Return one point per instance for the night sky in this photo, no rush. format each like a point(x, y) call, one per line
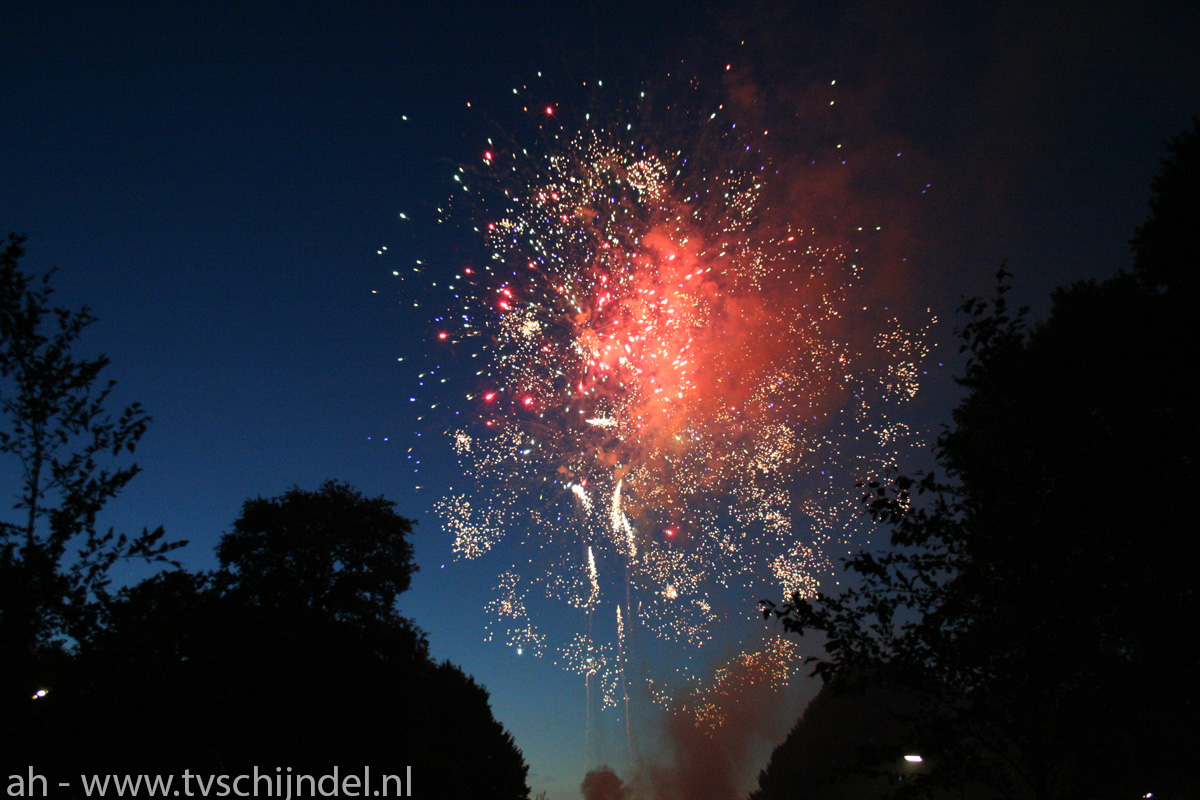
point(218, 184)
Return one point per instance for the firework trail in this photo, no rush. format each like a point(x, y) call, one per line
point(680, 389)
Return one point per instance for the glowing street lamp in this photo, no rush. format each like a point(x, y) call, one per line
point(913, 759)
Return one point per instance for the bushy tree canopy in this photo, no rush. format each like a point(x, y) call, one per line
point(1035, 596)
point(292, 654)
point(332, 551)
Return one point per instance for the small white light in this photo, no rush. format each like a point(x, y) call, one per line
point(40, 693)
point(914, 759)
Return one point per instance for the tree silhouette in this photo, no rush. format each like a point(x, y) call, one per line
point(331, 551)
point(292, 654)
point(1167, 245)
point(65, 443)
point(825, 752)
point(1035, 598)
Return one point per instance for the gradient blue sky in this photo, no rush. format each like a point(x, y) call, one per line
point(215, 183)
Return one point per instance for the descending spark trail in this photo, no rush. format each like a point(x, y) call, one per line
point(681, 390)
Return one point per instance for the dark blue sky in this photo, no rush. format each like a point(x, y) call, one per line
point(216, 183)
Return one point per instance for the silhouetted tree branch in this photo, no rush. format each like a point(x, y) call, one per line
point(66, 445)
point(1033, 598)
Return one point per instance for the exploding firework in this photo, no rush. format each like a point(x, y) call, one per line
point(681, 388)
point(748, 674)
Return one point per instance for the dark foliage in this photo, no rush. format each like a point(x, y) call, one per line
point(64, 446)
point(1036, 599)
point(331, 551)
point(824, 754)
point(290, 655)
point(1167, 246)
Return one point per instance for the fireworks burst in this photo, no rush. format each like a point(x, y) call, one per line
point(744, 676)
point(681, 389)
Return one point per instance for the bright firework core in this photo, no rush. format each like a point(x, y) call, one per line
point(679, 400)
